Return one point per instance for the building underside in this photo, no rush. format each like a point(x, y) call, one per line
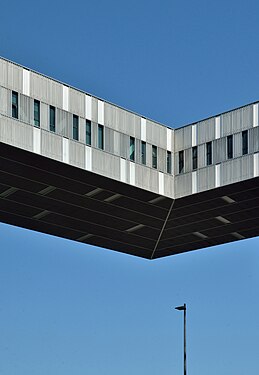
point(55, 198)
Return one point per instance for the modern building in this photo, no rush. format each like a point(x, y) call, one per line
point(78, 167)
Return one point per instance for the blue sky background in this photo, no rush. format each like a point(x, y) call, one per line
point(68, 308)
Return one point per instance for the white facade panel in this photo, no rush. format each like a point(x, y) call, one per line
point(132, 173)
point(37, 140)
point(88, 158)
point(194, 182)
point(65, 98)
point(194, 135)
point(143, 129)
point(123, 166)
point(169, 134)
point(217, 127)
point(255, 115)
point(256, 165)
point(26, 82)
point(88, 107)
point(217, 175)
point(100, 112)
point(161, 183)
point(66, 150)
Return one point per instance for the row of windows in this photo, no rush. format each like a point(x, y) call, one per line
point(100, 141)
point(209, 152)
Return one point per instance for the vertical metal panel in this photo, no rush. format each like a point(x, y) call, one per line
point(256, 164)
point(110, 115)
point(132, 170)
point(66, 99)
point(206, 178)
point(219, 150)
point(169, 139)
point(217, 175)
point(5, 101)
point(77, 102)
point(14, 77)
point(161, 159)
point(138, 151)
point(253, 140)
point(206, 131)
point(226, 124)
point(169, 186)
point(51, 145)
point(25, 108)
point(100, 107)
point(147, 178)
point(16, 133)
point(143, 129)
point(65, 150)
point(105, 164)
point(156, 134)
point(46, 90)
point(94, 110)
point(88, 158)
point(36, 140)
point(116, 146)
point(194, 135)
point(88, 107)
point(247, 170)
point(255, 114)
point(237, 145)
point(26, 82)
point(183, 185)
point(44, 116)
point(218, 127)
point(94, 134)
point(149, 155)
point(247, 117)
point(64, 123)
point(124, 146)
point(123, 171)
point(202, 156)
point(82, 130)
point(183, 138)
point(76, 154)
point(194, 182)
point(109, 140)
point(3, 73)
point(161, 183)
point(188, 160)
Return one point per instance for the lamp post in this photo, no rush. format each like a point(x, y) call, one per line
point(183, 308)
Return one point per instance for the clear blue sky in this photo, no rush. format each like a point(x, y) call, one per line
point(68, 308)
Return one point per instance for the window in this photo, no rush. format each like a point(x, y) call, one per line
point(132, 148)
point(14, 104)
point(194, 157)
point(230, 146)
point(75, 127)
point(143, 152)
point(52, 118)
point(209, 153)
point(245, 142)
point(154, 156)
point(100, 137)
point(88, 133)
point(181, 161)
point(169, 162)
point(36, 113)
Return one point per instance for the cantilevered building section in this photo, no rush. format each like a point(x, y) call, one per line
point(78, 167)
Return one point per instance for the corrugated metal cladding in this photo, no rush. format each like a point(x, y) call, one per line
point(119, 125)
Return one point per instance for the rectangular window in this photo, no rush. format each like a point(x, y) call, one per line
point(75, 127)
point(195, 157)
point(169, 162)
point(14, 104)
point(100, 137)
point(132, 148)
point(154, 157)
point(52, 118)
point(245, 142)
point(181, 161)
point(230, 146)
point(36, 113)
point(209, 152)
point(88, 133)
point(143, 152)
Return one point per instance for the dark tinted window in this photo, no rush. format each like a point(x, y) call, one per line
point(75, 127)
point(100, 137)
point(209, 153)
point(52, 118)
point(143, 152)
point(169, 162)
point(181, 161)
point(132, 148)
point(14, 104)
point(245, 142)
point(154, 156)
point(36, 113)
point(194, 157)
point(230, 146)
point(88, 135)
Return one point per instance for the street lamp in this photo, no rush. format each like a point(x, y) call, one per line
point(183, 308)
